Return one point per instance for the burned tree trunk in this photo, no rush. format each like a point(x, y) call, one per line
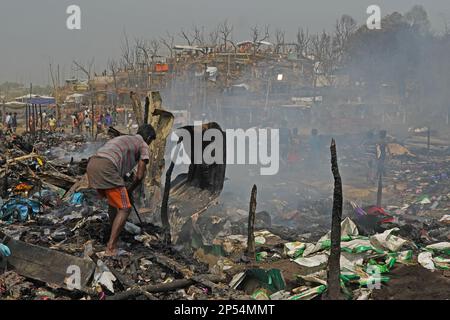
point(165, 205)
point(162, 122)
point(146, 110)
point(251, 224)
point(333, 278)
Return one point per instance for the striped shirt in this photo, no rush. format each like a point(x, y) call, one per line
point(125, 152)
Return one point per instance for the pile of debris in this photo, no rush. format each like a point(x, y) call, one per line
point(53, 232)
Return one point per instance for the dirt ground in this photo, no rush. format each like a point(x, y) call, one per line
point(414, 283)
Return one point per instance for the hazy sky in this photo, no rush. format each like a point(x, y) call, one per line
point(34, 32)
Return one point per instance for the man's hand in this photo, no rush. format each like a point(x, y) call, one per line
point(140, 175)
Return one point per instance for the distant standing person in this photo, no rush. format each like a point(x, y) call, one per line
point(52, 123)
point(285, 140)
point(130, 123)
point(8, 120)
point(99, 121)
point(108, 120)
point(314, 146)
point(14, 122)
point(114, 116)
point(45, 122)
point(87, 124)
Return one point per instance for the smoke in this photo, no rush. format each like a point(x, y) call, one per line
point(68, 152)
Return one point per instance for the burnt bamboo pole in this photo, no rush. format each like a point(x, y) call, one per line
point(40, 119)
point(31, 107)
point(333, 278)
point(27, 108)
point(34, 120)
point(251, 224)
point(146, 110)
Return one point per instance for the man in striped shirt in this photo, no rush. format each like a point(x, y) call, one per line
point(107, 169)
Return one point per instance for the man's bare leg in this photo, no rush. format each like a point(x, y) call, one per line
point(117, 227)
point(112, 212)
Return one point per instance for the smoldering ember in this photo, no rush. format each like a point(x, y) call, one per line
point(354, 203)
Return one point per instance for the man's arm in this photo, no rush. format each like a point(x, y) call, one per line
point(140, 175)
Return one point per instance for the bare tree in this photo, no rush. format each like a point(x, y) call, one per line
point(225, 31)
point(168, 42)
point(324, 56)
point(183, 34)
point(214, 37)
point(303, 41)
point(87, 69)
point(345, 27)
point(55, 82)
point(198, 35)
point(142, 53)
point(258, 36)
point(127, 54)
point(279, 39)
point(114, 68)
point(154, 48)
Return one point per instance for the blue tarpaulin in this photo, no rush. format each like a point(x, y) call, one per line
point(19, 209)
point(40, 100)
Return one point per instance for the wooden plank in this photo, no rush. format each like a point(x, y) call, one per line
point(47, 265)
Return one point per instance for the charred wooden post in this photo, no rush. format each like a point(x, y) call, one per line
point(334, 271)
point(146, 110)
point(40, 120)
point(27, 119)
point(93, 120)
point(251, 224)
point(34, 119)
point(31, 108)
point(164, 205)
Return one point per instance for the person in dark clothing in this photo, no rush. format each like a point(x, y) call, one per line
point(370, 152)
point(285, 140)
point(314, 147)
point(14, 122)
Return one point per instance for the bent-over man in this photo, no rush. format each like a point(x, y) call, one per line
point(107, 169)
